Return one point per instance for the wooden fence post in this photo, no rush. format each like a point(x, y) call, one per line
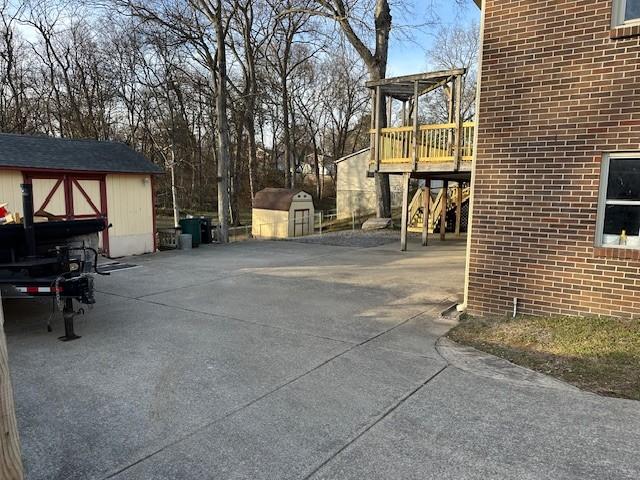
point(10, 459)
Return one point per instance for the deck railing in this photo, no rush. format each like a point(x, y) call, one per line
point(435, 143)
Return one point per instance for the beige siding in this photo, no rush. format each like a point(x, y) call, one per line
point(41, 189)
point(10, 193)
point(269, 223)
point(356, 192)
point(80, 204)
point(130, 210)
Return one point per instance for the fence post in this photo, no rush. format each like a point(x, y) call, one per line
point(10, 459)
point(321, 222)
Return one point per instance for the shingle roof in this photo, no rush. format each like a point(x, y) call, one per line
point(275, 199)
point(49, 153)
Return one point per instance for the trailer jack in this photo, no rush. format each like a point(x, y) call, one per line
point(68, 314)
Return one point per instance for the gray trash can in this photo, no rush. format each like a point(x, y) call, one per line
point(185, 241)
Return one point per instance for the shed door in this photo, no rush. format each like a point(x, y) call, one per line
point(300, 223)
point(71, 196)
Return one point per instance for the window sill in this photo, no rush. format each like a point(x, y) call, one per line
point(625, 31)
point(620, 253)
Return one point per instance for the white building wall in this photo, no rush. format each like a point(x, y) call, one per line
point(356, 192)
point(130, 211)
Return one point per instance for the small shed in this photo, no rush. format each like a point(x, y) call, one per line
point(282, 213)
point(76, 179)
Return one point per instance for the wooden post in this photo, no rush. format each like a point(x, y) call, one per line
point(416, 96)
point(459, 209)
point(10, 460)
point(427, 206)
point(451, 105)
point(378, 108)
point(405, 211)
point(458, 122)
point(443, 210)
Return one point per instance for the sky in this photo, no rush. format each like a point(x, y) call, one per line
point(409, 56)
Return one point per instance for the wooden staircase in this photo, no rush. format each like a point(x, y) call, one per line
point(416, 208)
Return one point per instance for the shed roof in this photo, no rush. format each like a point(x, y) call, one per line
point(50, 153)
point(275, 199)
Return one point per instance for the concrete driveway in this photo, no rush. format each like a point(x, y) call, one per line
point(283, 360)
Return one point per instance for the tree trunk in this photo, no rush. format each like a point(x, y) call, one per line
point(253, 153)
point(223, 127)
point(174, 193)
point(288, 177)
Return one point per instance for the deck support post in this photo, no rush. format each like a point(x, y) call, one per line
point(416, 97)
point(10, 458)
point(427, 205)
point(459, 209)
point(451, 105)
point(458, 122)
point(406, 177)
point(443, 210)
point(378, 125)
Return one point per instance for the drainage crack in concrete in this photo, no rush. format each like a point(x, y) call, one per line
point(387, 412)
point(271, 392)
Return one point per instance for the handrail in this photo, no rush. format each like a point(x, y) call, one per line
point(434, 143)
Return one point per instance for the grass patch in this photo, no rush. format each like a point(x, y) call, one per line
point(601, 355)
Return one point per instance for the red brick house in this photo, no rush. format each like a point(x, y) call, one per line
point(556, 194)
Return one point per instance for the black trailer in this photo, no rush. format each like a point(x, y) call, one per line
point(55, 259)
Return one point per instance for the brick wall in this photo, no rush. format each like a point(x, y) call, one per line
point(559, 88)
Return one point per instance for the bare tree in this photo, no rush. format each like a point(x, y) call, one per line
point(375, 57)
point(454, 47)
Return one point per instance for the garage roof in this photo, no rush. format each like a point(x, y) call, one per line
point(49, 153)
point(275, 199)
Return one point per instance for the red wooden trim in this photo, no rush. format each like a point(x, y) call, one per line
point(105, 214)
point(50, 195)
point(85, 195)
point(48, 174)
point(68, 191)
point(153, 213)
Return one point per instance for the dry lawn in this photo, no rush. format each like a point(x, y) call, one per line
point(601, 355)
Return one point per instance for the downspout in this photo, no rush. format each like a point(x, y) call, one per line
point(463, 306)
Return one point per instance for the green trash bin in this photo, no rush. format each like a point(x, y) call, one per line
point(192, 227)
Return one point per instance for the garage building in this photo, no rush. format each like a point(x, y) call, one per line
point(282, 213)
point(76, 179)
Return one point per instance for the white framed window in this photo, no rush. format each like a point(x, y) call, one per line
point(618, 222)
point(626, 12)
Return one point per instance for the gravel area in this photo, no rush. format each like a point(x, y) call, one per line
point(352, 238)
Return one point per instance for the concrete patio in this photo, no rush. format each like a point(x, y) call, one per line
point(286, 360)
